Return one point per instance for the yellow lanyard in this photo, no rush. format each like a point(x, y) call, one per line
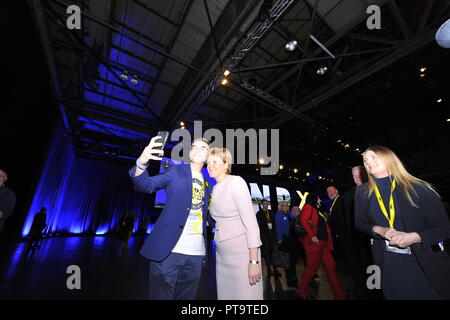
point(334, 201)
point(267, 216)
point(391, 216)
point(322, 215)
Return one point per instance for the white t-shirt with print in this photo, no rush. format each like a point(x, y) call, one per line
point(191, 241)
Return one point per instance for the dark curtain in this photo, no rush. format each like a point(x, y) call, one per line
point(84, 195)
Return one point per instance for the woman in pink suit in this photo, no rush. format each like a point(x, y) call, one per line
point(238, 268)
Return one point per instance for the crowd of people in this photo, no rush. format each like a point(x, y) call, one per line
point(408, 242)
point(390, 219)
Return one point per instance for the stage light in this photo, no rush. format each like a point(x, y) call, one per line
point(281, 167)
point(423, 69)
point(322, 70)
point(182, 127)
point(226, 73)
point(320, 178)
point(124, 75)
point(291, 45)
point(182, 123)
point(224, 81)
point(261, 161)
point(439, 100)
point(295, 170)
point(448, 120)
point(422, 75)
point(307, 174)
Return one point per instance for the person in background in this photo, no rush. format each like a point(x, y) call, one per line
point(294, 248)
point(39, 223)
point(266, 222)
point(286, 239)
point(7, 199)
point(336, 222)
point(408, 224)
point(355, 244)
point(318, 245)
point(126, 226)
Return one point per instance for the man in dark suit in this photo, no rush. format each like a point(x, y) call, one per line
point(177, 244)
point(266, 222)
point(357, 253)
point(337, 224)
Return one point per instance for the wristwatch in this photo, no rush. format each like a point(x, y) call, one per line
point(254, 261)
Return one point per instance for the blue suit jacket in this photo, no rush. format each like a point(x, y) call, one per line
point(177, 181)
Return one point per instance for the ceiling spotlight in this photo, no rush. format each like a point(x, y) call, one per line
point(124, 75)
point(182, 127)
point(423, 69)
point(224, 81)
point(182, 123)
point(439, 100)
point(448, 120)
point(295, 170)
point(226, 73)
point(261, 161)
point(422, 75)
point(291, 45)
point(134, 80)
point(322, 70)
point(320, 178)
point(281, 167)
point(307, 174)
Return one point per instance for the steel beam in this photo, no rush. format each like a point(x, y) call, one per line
point(326, 92)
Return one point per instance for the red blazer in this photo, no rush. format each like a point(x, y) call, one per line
point(309, 219)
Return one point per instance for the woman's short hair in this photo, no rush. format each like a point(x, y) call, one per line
point(224, 154)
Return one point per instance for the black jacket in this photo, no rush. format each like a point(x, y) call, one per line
point(428, 219)
point(262, 222)
point(337, 218)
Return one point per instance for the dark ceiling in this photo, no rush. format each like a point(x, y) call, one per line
point(372, 93)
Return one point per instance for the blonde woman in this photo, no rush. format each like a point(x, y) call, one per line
point(408, 223)
point(238, 267)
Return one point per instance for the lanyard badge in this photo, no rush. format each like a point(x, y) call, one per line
point(390, 218)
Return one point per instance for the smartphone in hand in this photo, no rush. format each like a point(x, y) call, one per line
point(164, 136)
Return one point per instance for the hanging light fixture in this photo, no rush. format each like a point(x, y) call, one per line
point(291, 45)
point(134, 80)
point(124, 75)
point(322, 70)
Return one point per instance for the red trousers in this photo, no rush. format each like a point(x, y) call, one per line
point(317, 253)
